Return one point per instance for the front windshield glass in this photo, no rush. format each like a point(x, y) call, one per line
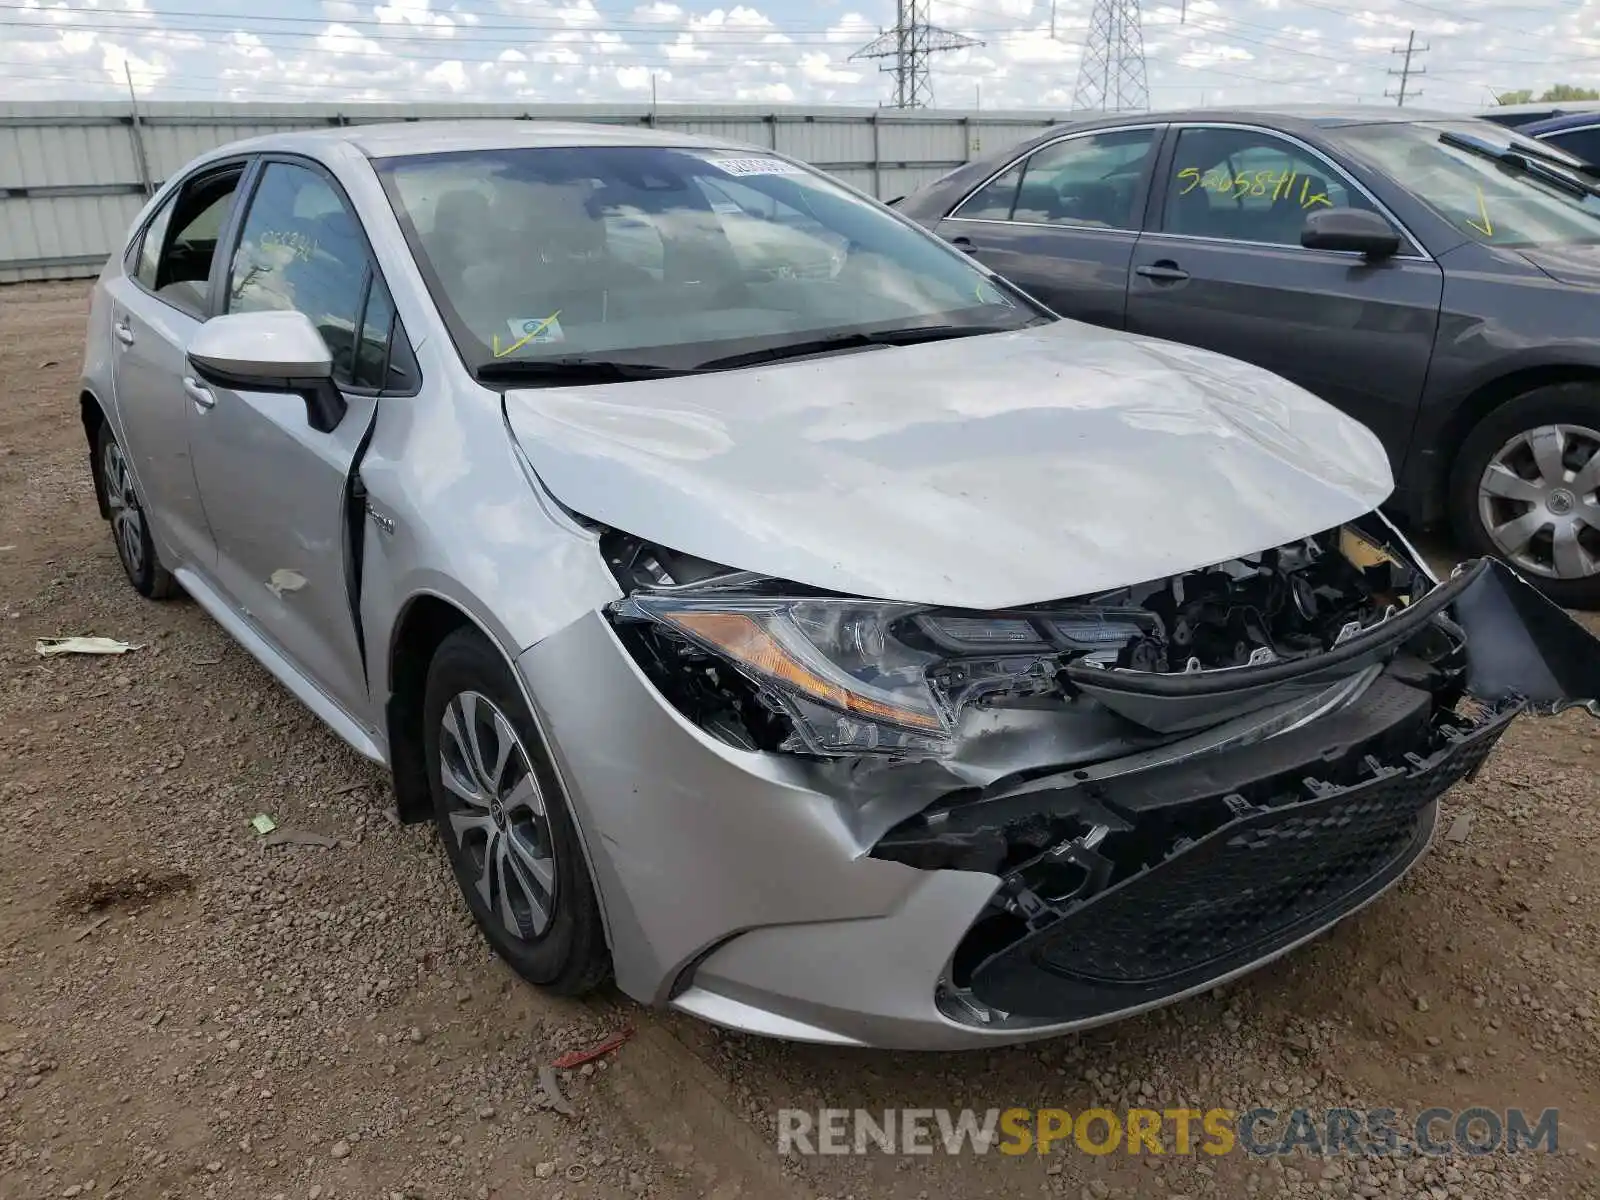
point(1490, 201)
point(671, 257)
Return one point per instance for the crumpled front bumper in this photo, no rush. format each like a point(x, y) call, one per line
point(1278, 872)
point(734, 887)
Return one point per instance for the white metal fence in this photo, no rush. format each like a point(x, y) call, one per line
point(72, 176)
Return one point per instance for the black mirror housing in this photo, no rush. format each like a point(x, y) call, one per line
point(1350, 229)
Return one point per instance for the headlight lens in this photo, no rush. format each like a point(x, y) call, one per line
point(849, 684)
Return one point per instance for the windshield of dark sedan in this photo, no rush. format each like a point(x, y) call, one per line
point(1487, 200)
point(669, 256)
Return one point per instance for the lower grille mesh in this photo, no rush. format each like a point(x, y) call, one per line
point(1275, 873)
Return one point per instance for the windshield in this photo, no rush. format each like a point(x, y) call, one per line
point(669, 257)
point(1490, 201)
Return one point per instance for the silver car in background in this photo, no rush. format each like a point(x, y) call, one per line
point(772, 607)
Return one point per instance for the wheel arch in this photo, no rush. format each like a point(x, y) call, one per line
point(1484, 400)
point(423, 622)
point(93, 415)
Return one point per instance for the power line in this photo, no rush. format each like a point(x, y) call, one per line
point(750, 35)
point(155, 20)
point(1111, 75)
point(1406, 72)
point(909, 44)
point(1509, 29)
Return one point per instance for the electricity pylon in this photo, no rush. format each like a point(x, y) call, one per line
point(1111, 77)
point(910, 43)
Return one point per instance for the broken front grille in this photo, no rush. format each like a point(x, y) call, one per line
point(1270, 876)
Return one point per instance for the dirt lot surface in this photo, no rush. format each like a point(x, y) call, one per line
point(187, 1012)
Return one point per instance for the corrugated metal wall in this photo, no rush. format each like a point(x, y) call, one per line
point(72, 176)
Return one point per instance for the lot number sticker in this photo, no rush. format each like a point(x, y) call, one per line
point(755, 166)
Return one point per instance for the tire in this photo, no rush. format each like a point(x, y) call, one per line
point(516, 839)
point(130, 528)
point(1538, 447)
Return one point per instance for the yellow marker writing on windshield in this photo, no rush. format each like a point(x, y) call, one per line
point(524, 339)
point(1487, 227)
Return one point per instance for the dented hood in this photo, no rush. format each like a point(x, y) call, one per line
point(983, 472)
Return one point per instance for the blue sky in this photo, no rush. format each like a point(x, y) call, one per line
point(774, 51)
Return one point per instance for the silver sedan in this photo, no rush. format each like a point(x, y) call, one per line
point(774, 609)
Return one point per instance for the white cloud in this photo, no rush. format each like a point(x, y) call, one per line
point(448, 74)
point(773, 93)
point(633, 79)
point(1217, 51)
point(416, 13)
point(685, 49)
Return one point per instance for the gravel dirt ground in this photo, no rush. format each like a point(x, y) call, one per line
point(185, 1011)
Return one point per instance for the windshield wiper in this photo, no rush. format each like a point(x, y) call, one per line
point(555, 372)
point(860, 339)
point(1548, 169)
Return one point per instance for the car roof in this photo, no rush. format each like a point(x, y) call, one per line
point(1555, 107)
point(1520, 116)
point(1288, 116)
point(1577, 120)
point(394, 139)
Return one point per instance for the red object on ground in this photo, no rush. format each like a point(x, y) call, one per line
point(576, 1058)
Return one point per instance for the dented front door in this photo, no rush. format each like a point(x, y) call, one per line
point(276, 491)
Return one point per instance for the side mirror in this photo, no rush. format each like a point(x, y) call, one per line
point(1354, 229)
point(274, 351)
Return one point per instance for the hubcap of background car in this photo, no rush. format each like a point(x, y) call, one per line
point(498, 814)
point(1537, 500)
point(127, 521)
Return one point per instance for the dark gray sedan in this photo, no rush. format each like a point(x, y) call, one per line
point(1438, 278)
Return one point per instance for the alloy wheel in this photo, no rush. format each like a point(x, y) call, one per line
point(127, 518)
point(1537, 501)
point(497, 815)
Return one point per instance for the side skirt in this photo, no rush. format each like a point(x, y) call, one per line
point(281, 668)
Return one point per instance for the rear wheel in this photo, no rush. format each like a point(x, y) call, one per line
point(130, 531)
point(503, 817)
point(1526, 488)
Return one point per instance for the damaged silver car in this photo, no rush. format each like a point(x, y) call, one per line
point(771, 606)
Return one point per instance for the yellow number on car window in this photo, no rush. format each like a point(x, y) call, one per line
point(1310, 199)
point(1192, 175)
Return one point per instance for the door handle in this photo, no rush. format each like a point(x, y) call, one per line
point(964, 244)
point(1165, 270)
point(198, 392)
point(124, 332)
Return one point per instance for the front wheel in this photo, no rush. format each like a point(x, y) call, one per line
point(1526, 488)
point(503, 817)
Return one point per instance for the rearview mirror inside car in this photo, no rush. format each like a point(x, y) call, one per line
point(276, 351)
point(1353, 229)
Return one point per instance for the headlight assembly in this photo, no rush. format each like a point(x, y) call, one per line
point(846, 681)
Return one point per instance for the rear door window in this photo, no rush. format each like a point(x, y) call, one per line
point(1086, 180)
point(995, 199)
point(177, 248)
